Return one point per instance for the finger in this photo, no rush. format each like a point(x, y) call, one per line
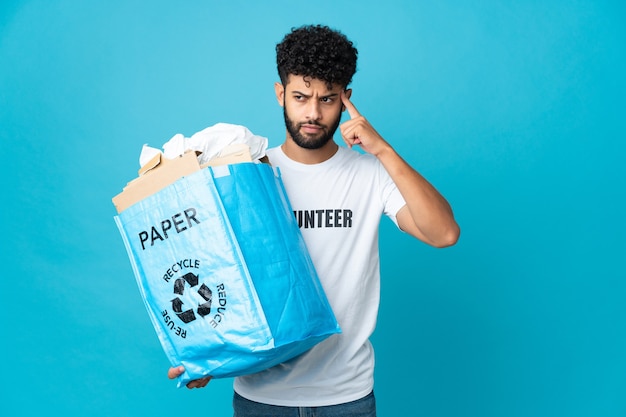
point(205, 381)
point(199, 383)
point(350, 130)
point(175, 372)
point(345, 134)
point(351, 140)
point(352, 111)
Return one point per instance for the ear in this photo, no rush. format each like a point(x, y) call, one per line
point(348, 93)
point(279, 89)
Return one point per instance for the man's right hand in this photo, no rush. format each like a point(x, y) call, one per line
point(177, 371)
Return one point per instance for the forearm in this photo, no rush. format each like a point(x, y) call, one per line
point(427, 215)
point(431, 218)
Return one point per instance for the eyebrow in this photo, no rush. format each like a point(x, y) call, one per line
point(300, 93)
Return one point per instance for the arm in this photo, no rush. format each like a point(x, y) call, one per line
point(177, 371)
point(427, 215)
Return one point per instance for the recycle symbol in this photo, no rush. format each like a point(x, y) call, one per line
point(203, 309)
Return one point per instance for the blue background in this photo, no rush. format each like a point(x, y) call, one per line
point(514, 110)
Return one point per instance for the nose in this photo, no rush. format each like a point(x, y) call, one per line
point(313, 110)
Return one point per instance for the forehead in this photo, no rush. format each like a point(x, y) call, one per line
point(308, 84)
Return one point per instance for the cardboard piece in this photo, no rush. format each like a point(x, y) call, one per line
point(160, 172)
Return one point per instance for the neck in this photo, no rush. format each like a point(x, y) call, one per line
point(309, 156)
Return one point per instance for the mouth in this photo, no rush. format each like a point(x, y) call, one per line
point(311, 129)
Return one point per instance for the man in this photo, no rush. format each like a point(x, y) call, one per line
point(338, 196)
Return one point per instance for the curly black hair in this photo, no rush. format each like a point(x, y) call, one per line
point(318, 52)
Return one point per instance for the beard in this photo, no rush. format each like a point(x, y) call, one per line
point(307, 141)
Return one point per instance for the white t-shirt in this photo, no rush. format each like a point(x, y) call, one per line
point(338, 204)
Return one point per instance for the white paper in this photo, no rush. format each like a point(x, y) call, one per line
point(209, 142)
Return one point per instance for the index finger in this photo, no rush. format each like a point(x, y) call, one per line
point(352, 111)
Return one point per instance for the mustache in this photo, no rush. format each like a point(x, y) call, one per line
point(311, 122)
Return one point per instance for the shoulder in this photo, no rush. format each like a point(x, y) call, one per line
point(273, 151)
point(358, 161)
point(356, 157)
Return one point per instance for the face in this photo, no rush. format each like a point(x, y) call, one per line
point(312, 112)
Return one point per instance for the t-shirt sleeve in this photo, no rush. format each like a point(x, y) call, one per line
point(391, 198)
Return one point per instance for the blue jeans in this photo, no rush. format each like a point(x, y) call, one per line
point(365, 407)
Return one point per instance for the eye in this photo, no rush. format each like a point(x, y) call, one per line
point(327, 100)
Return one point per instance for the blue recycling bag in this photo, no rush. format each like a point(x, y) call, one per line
point(224, 272)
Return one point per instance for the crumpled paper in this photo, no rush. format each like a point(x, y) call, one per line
point(210, 142)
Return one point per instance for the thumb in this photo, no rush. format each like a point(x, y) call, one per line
point(175, 372)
